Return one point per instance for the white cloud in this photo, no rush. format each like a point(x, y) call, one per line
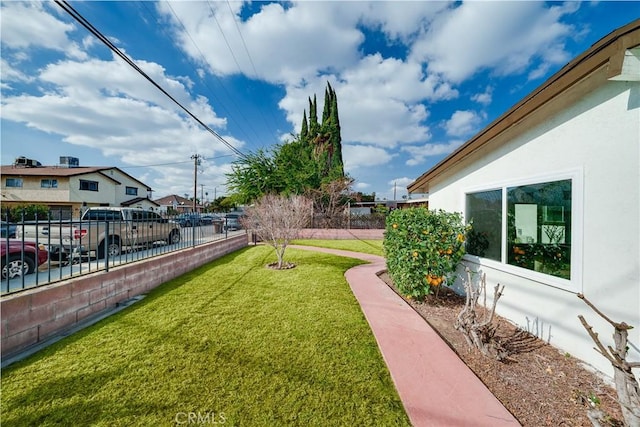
point(363, 156)
point(463, 123)
point(422, 152)
point(485, 97)
point(503, 36)
point(283, 45)
point(27, 25)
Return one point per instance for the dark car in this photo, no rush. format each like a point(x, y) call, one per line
point(20, 258)
point(189, 219)
point(7, 229)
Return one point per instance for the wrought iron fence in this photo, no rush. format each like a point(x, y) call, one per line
point(72, 247)
point(353, 221)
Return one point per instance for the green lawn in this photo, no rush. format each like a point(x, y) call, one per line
point(373, 247)
point(232, 341)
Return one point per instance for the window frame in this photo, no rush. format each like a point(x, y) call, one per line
point(53, 183)
point(15, 181)
point(88, 182)
point(131, 191)
point(577, 213)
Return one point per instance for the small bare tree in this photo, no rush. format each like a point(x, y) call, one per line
point(626, 383)
point(480, 332)
point(330, 202)
point(277, 220)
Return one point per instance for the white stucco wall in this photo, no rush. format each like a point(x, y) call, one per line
point(597, 143)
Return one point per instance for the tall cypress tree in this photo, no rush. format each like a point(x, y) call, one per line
point(327, 105)
point(304, 132)
point(314, 127)
point(335, 139)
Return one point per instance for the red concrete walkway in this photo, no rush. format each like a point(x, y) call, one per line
point(435, 386)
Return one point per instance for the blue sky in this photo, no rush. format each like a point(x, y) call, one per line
point(414, 79)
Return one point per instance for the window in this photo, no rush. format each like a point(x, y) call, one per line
point(49, 183)
point(103, 215)
point(131, 191)
point(88, 185)
point(484, 211)
point(13, 182)
point(538, 226)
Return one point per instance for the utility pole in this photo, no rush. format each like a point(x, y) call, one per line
point(196, 162)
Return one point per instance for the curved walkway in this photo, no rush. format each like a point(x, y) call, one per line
point(435, 386)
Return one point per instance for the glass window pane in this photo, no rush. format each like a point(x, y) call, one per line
point(539, 227)
point(484, 212)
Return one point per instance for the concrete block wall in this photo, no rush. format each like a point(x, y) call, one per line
point(34, 315)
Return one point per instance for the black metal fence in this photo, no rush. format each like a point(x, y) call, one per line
point(73, 247)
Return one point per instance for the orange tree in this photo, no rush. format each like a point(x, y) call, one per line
point(423, 249)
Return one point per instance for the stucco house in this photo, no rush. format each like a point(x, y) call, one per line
point(552, 188)
point(176, 204)
point(67, 189)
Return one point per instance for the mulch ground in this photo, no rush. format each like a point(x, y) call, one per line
point(537, 383)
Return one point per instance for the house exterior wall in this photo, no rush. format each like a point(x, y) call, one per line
point(106, 193)
point(31, 190)
point(120, 194)
point(596, 142)
point(112, 190)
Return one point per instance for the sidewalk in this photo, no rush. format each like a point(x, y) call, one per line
point(435, 386)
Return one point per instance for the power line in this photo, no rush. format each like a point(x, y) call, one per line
point(204, 59)
point(78, 17)
point(173, 163)
point(246, 49)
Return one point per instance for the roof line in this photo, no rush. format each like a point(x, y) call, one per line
point(604, 50)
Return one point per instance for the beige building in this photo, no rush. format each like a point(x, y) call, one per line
point(69, 189)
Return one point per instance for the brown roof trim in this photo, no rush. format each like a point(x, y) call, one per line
point(608, 50)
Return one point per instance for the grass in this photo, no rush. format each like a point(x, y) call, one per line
point(231, 341)
point(373, 247)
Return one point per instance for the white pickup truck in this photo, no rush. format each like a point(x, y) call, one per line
point(102, 232)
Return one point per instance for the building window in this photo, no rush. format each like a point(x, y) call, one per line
point(13, 182)
point(484, 212)
point(88, 185)
point(538, 226)
point(48, 183)
point(131, 191)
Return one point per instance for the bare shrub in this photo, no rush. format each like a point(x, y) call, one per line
point(480, 330)
point(626, 383)
point(277, 220)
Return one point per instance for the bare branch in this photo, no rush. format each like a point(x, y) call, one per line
point(601, 314)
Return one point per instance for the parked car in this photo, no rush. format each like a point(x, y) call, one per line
point(101, 231)
point(208, 219)
point(7, 229)
point(189, 219)
point(20, 258)
point(232, 221)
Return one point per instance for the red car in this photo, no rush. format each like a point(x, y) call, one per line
point(19, 258)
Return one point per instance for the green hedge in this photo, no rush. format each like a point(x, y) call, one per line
point(423, 249)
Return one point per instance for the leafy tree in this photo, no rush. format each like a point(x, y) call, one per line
point(277, 220)
point(312, 159)
point(252, 176)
